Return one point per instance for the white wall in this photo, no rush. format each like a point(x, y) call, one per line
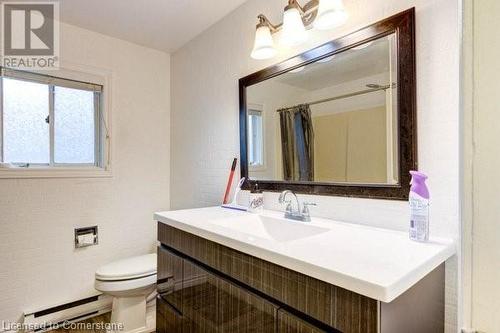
point(481, 228)
point(205, 75)
point(38, 263)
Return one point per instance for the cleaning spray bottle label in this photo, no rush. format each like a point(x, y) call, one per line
point(419, 219)
point(419, 208)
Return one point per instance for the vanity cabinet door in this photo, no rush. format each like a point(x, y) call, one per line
point(168, 320)
point(170, 278)
point(288, 323)
point(211, 304)
point(200, 300)
point(243, 312)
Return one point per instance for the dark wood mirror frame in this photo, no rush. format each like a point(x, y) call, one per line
point(403, 25)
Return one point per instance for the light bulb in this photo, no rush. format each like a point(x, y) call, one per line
point(331, 14)
point(294, 31)
point(264, 45)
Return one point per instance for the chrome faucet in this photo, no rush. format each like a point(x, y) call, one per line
point(298, 214)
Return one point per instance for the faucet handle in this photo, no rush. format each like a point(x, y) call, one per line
point(305, 207)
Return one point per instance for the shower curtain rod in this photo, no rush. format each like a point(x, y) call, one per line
point(357, 93)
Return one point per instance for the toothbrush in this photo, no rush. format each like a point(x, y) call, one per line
point(234, 205)
point(237, 191)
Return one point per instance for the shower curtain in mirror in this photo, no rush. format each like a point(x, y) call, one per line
point(297, 142)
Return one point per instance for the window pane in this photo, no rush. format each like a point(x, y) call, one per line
point(74, 126)
point(255, 139)
point(251, 150)
point(26, 133)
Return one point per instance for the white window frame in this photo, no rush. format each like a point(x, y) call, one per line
point(102, 165)
point(259, 108)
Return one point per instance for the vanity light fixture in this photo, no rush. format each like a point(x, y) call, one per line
point(320, 14)
point(294, 31)
point(331, 14)
point(264, 45)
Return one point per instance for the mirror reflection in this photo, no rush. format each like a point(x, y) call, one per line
point(333, 121)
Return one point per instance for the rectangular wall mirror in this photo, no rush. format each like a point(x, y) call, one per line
point(338, 119)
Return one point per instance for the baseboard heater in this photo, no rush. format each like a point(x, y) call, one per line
point(43, 320)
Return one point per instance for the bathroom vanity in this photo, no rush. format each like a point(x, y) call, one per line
point(221, 270)
point(340, 120)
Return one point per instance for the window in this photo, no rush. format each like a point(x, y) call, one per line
point(50, 122)
point(255, 138)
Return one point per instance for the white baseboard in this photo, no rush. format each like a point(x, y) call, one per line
point(58, 314)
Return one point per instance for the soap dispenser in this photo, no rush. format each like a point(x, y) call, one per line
point(256, 200)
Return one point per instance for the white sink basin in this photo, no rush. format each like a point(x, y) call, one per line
point(270, 228)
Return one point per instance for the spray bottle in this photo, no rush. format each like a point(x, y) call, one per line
point(419, 207)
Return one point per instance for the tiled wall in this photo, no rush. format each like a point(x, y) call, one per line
point(39, 266)
point(205, 131)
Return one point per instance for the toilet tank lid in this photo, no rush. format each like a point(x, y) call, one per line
point(129, 268)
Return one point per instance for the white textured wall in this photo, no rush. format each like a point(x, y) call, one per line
point(205, 134)
point(38, 264)
point(481, 165)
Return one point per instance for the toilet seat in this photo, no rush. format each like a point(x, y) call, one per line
point(129, 281)
point(128, 269)
point(122, 285)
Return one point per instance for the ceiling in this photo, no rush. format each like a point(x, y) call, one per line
point(344, 67)
point(160, 24)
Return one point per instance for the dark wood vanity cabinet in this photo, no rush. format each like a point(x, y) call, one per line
point(241, 311)
point(199, 301)
point(205, 287)
point(168, 319)
point(288, 323)
point(193, 300)
point(170, 278)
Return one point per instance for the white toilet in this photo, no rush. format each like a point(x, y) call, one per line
point(130, 281)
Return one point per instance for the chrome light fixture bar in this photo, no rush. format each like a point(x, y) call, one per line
point(320, 14)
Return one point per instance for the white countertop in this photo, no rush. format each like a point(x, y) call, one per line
point(377, 263)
